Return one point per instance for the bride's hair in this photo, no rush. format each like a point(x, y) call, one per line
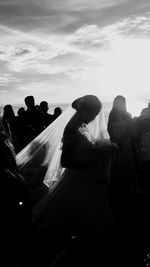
point(87, 102)
point(76, 104)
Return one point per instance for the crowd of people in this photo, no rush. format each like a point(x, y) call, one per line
point(97, 214)
point(29, 122)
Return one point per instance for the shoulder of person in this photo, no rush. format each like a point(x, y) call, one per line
point(113, 114)
point(129, 115)
point(69, 134)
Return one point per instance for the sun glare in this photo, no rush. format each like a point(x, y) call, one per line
point(135, 107)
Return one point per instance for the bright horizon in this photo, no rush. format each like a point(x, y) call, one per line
point(60, 50)
point(134, 107)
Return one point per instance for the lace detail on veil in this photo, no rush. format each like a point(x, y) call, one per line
point(40, 159)
point(84, 131)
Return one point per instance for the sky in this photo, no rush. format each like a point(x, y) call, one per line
point(58, 50)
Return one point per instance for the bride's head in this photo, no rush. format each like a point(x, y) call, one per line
point(87, 107)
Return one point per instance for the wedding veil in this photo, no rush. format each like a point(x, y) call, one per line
point(40, 159)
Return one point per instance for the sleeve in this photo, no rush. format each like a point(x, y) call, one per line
point(77, 152)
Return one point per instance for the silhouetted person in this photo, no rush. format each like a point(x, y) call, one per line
point(10, 123)
point(33, 119)
point(122, 168)
point(57, 112)
point(21, 112)
point(16, 208)
point(146, 111)
point(135, 137)
point(21, 128)
point(123, 171)
point(46, 117)
point(142, 135)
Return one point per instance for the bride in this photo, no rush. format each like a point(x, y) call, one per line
point(77, 206)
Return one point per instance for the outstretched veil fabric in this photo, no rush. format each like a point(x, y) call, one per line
point(40, 159)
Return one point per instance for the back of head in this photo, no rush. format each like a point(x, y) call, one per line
point(57, 111)
point(145, 113)
point(119, 103)
point(44, 106)
point(8, 112)
point(21, 111)
point(88, 103)
point(29, 101)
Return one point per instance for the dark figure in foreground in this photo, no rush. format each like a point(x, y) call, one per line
point(76, 214)
point(16, 208)
point(10, 123)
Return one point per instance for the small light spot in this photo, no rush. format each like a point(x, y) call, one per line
point(20, 203)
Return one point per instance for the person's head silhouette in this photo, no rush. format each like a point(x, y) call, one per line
point(119, 103)
point(21, 111)
point(57, 111)
point(8, 112)
point(87, 107)
point(29, 101)
point(44, 106)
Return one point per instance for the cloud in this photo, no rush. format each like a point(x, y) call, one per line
point(49, 16)
point(41, 57)
point(3, 91)
point(6, 79)
point(40, 87)
point(88, 36)
point(64, 15)
point(94, 37)
point(67, 48)
point(73, 5)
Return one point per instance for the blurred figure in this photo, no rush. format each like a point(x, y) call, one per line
point(33, 119)
point(146, 111)
point(10, 124)
point(21, 112)
point(16, 208)
point(57, 112)
point(122, 181)
point(122, 167)
point(142, 135)
point(21, 128)
point(136, 135)
point(46, 117)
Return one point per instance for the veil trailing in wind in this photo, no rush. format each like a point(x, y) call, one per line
point(40, 159)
